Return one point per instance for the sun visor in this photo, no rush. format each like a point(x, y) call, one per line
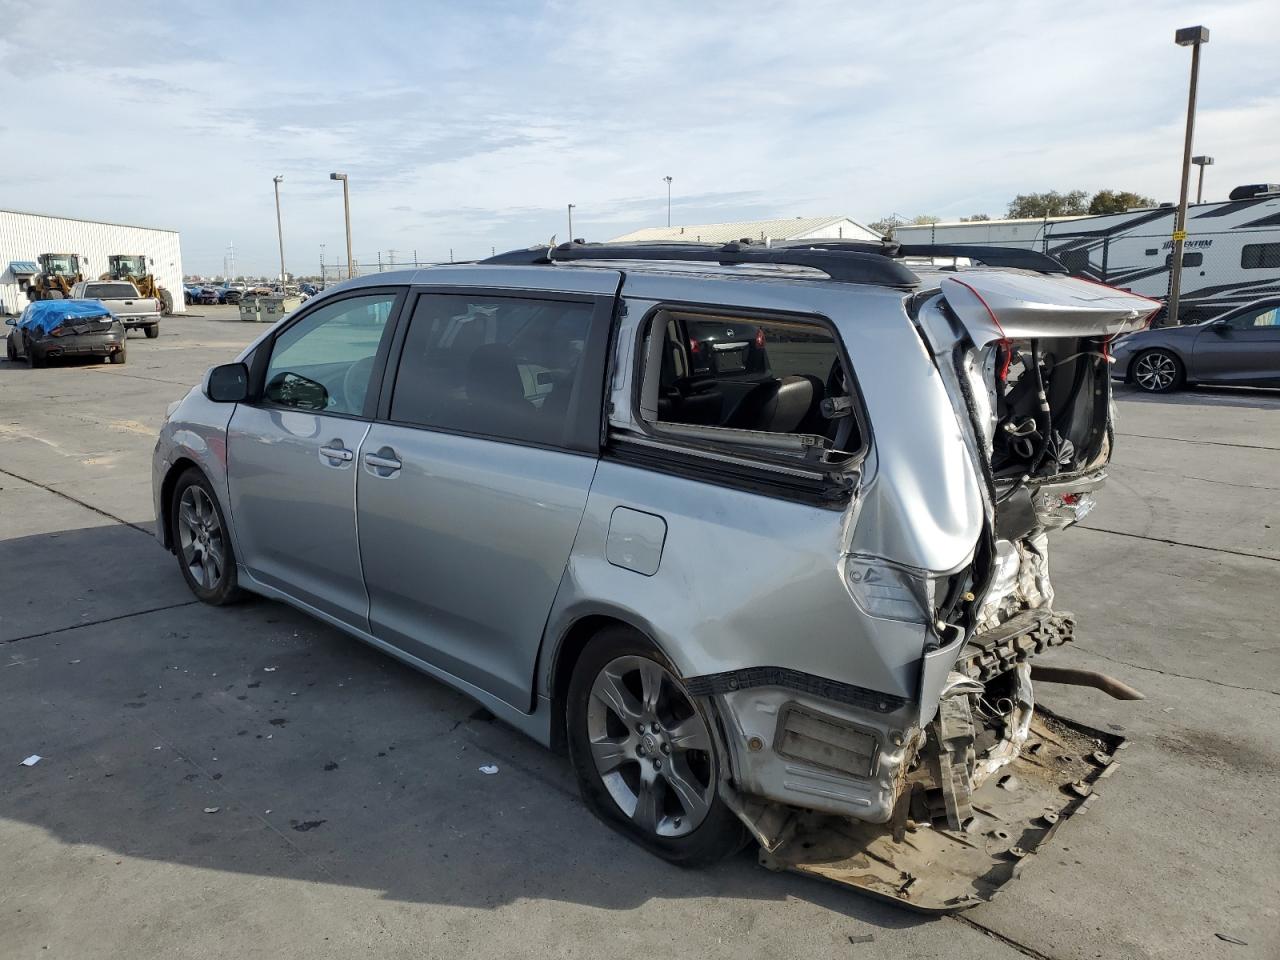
point(1013, 305)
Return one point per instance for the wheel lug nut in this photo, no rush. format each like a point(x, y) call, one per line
point(640, 728)
point(655, 727)
point(641, 750)
point(666, 748)
point(657, 764)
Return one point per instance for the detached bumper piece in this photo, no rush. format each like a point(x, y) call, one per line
point(1015, 641)
point(1015, 813)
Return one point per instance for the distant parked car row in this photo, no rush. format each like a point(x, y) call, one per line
point(233, 293)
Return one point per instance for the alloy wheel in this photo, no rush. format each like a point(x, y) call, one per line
point(651, 748)
point(200, 537)
point(1155, 372)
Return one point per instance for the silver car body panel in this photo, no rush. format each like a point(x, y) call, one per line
point(470, 513)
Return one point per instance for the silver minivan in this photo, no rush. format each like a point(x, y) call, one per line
point(758, 534)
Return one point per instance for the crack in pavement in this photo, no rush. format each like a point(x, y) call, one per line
point(1022, 948)
point(94, 623)
point(1180, 543)
point(1170, 673)
point(66, 496)
point(1215, 443)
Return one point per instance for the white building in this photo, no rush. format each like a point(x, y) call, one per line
point(24, 236)
point(793, 228)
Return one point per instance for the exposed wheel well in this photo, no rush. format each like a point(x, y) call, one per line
point(165, 520)
point(570, 649)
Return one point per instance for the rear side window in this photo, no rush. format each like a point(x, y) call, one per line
point(730, 379)
point(1257, 256)
point(502, 367)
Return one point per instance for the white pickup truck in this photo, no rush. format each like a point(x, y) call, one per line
point(122, 299)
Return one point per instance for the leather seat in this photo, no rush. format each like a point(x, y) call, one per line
point(777, 406)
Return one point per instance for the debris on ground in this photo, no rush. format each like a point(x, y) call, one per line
point(212, 809)
point(1230, 939)
point(302, 826)
point(489, 768)
point(862, 938)
point(269, 669)
point(35, 758)
point(331, 765)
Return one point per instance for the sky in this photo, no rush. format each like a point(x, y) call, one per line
point(466, 127)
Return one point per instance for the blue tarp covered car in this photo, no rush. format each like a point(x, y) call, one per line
point(62, 328)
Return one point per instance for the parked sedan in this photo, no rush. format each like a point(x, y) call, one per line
point(1241, 347)
point(52, 329)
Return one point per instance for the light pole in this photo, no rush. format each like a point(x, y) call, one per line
point(322, 283)
point(279, 226)
point(571, 206)
point(346, 213)
point(668, 179)
point(1201, 162)
point(1193, 37)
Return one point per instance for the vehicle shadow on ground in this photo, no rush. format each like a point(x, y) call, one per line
point(321, 760)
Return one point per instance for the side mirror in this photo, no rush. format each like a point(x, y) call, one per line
point(228, 383)
point(1221, 327)
point(10, 321)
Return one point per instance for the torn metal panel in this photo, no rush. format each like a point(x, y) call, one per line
point(1012, 816)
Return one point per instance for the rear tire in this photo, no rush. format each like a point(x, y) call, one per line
point(10, 350)
point(657, 788)
point(1158, 371)
point(202, 541)
point(34, 360)
point(152, 330)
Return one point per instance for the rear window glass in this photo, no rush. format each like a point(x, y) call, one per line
point(728, 373)
point(110, 291)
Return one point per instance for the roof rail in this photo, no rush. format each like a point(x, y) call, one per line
point(845, 265)
point(849, 261)
point(989, 256)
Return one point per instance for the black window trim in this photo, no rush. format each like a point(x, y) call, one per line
point(586, 402)
point(732, 466)
point(262, 357)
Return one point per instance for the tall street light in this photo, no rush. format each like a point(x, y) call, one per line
point(571, 206)
point(668, 179)
point(1201, 162)
point(322, 283)
point(346, 212)
point(279, 227)
point(1193, 37)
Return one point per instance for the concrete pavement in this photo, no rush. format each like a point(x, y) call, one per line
point(351, 817)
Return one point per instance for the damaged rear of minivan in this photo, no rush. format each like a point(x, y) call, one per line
point(841, 501)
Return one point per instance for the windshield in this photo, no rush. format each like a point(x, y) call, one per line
point(63, 264)
point(131, 266)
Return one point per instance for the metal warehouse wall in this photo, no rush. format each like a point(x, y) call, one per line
point(23, 236)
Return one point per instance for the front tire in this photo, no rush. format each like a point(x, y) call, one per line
point(152, 330)
point(645, 754)
point(117, 357)
point(10, 350)
point(202, 541)
point(1158, 371)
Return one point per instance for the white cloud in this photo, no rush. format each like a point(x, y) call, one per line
point(472, 126)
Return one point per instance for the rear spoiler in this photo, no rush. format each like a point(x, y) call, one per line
point(1000, 305)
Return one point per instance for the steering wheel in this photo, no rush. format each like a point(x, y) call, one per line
point(355, 382)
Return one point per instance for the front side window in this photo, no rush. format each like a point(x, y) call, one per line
point(1267, 318)
point(1257, 256)
point(502, 367)
point(325, 360)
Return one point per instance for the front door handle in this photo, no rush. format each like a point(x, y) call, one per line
point(336, 454)
point(384, 463)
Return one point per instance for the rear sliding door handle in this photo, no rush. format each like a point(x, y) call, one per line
point(384, 463)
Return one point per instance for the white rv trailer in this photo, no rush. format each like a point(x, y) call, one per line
point(1231, 255)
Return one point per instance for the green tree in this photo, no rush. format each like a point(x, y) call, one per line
point(1117, 201)
point(1051, 204)
point(924, 220)
point(976, 218)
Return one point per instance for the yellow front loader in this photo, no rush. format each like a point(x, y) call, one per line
point(134, 269)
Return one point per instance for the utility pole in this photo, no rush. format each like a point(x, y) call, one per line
point(571, 223)
point(1195, 38)
point(279, 226)
point(322, 280)
point(668, 179)
point(1201, 162)
point(346, 212)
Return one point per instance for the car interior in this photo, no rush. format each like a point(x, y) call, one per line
point(735, 379)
